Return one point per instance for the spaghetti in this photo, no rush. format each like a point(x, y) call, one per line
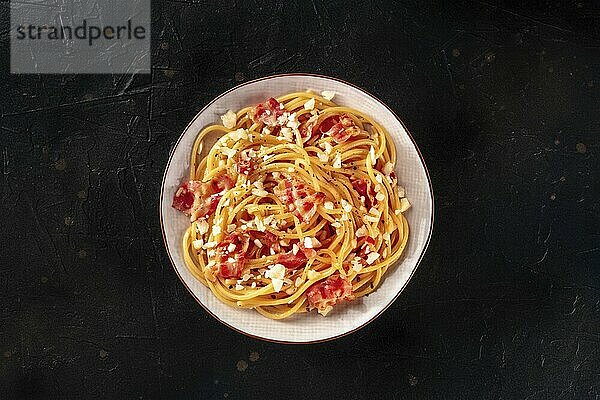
point(295, 207)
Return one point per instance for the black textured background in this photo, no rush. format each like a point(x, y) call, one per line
point(503, 99)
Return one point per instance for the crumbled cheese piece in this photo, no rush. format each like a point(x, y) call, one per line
point(328, 148)
point(299, 281)
point(238, 134)
point(202, 226)
point(336, 224)
point(229, 119)
point(354, 243)
point(346, 206)
point(258, 243)
point(380, 196)
point(386, 237)
point(337, 162)
point(226, 202)
point(247, 277)
point(230, 153)
point(325, 311)
point(291, 169)
point(266, 131)
point(312, 274)
point(372, 257)
point(372, 155)
point(271, 251)
point(216, 229)
point(287, 134)
point(328, 94)
point(308, 243)
point(295, 249)
point(276, 175)
point(362, 231)
point(374, 211)
point(253, 285)
point(231, 227)
point(356, 264)
point(268, 219)
point(276, 273)
point(378, 178)
point(401, 192)
point(277, 284)
point(397, 212)
point(322, 157)
point(388, 168)
point(260, 192)
point(328, 205)
point(231, 247)
point(404, 204)
point(344, 217)
point(310, 104)
point(239, 287)
point(198, 244)
point(259, 224)
point(292, 122)
point(282, 119)
point(370, 218)
point(222, 163)
point(284, 243)
point(378, 188)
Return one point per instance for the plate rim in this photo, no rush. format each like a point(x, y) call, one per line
point(168, 250)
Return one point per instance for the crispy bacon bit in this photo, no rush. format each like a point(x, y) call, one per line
point(231, 264)
point(364, 189)
point(324, 295)
point(269, 239)
point(292, 261)
point(221, 183)
point(184, 198)
point(300, 199)
point(199, 199)
point(339, 127)
point(246, 162)
point(267, 112)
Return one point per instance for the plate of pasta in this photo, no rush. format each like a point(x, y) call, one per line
point(295, 208)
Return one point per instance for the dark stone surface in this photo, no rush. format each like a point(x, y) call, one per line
point(502, 98)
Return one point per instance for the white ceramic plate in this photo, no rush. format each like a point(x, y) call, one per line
point(306, 327)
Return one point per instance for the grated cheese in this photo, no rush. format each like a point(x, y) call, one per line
point(229, 119)
point(328, 94)
point(372, 257)
point(310, 104)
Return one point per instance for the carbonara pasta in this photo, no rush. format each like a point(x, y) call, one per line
point(295, 207)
